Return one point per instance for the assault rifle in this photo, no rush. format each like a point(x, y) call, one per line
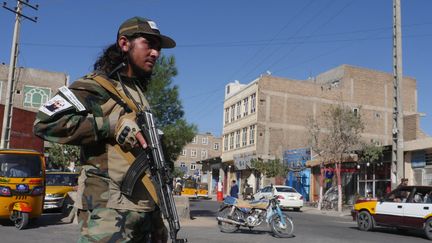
point(152, 158)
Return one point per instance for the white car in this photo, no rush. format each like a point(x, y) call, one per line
point(288, 196)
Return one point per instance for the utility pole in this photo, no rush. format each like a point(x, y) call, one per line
point(398, 170)
point(8, 107)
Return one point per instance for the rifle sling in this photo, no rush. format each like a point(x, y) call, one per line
point(148, 183)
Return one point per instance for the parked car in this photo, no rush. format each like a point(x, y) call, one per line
point(288, 196)
point(405, 207)
point(58, 185)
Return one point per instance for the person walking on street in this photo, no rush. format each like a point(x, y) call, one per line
point(234, 189)
point(104, 126)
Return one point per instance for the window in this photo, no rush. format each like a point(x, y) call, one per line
point(253, 103)
point(252, 134)
point(204, 140)
point(245, 106)
point(244, 136)
point(238, 110)
point(193, 153)
point(216, 146)
point(232, 113)
point(226, 115)
point(35, 96)
point(356, 112)
point(184, 152)
point(194, 140)
point(428, 158)
point(225, 142)
point(203, 154)
point(231, 144)
point(237, 139)
point(182, 164)
point(193, 166)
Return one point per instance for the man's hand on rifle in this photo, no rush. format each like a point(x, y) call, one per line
point(127, 132)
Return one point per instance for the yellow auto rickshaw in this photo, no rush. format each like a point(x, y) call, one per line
point(189, 188)
point(202, 190)
point(195, 189)
point(22, 185)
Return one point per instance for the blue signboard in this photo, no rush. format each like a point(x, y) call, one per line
point(299, 175)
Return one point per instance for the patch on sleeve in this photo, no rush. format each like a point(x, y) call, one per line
point(72, 98)
point(54, 105)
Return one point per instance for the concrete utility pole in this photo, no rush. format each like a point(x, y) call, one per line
point(398, 170)
point(8, 108)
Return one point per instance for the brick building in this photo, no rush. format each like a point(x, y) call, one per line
point(268, 116)
point(32, 88)
point(203, 147)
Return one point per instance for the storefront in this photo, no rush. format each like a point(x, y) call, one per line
point(244, 172)
point(298, 176)
point(374, 179)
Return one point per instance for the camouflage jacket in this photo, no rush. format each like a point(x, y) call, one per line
point(85, 114)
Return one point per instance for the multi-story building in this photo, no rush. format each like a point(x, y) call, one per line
point(32, 88)
point(203, 147)
point(269, 116)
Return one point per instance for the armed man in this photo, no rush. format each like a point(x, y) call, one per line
point(107, 114)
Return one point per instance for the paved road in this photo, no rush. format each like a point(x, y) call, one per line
point(310, 226)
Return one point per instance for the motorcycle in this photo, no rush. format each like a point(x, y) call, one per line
point(330, 198)
point(235, 213)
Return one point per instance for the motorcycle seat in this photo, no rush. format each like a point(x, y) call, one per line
point(252, 204)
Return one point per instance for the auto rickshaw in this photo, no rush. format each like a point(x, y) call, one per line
point(22, 185)
point(190, 188)
point(195, 189)
point(202, 190)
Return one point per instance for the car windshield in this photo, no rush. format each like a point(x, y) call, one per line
point(190, 184)
point(285, 189)
point(61, 179)
point(20, 165)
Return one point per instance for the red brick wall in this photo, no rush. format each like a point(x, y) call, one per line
point(22, 130)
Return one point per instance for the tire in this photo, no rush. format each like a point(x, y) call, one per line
point(227, 227)
point(365, 221)
point(282, 230)
point(21, 220)
point(296, 209)
point(428, 228)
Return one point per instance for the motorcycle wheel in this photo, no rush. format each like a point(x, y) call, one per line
point(282, 230)
point(227, 227)
point(21, 220)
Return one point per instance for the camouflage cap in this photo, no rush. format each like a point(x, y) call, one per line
point(141, 25)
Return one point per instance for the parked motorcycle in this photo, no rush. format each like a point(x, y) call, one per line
point(330, 198)
point(236, 213)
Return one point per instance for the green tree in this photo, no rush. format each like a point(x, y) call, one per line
point(270, 168)
point(166, 106)
point(61, 155)
point(371, 153)
point(177, 173)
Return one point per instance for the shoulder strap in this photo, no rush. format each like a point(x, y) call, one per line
point(127, 155)
point(112, 89)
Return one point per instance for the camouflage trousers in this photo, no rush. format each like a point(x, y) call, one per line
point(113, 225)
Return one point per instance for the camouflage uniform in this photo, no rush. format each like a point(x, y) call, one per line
point(87, 118)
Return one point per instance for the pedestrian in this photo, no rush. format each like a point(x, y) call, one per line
point(234, 189)
point(178, 188)
point(104, 126)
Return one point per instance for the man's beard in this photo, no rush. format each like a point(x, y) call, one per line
point(140, 74)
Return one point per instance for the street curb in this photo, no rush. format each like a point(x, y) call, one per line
point(333, 213)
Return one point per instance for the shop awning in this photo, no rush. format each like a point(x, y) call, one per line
point(317, 161)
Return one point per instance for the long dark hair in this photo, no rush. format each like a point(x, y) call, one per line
point(111, 57)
